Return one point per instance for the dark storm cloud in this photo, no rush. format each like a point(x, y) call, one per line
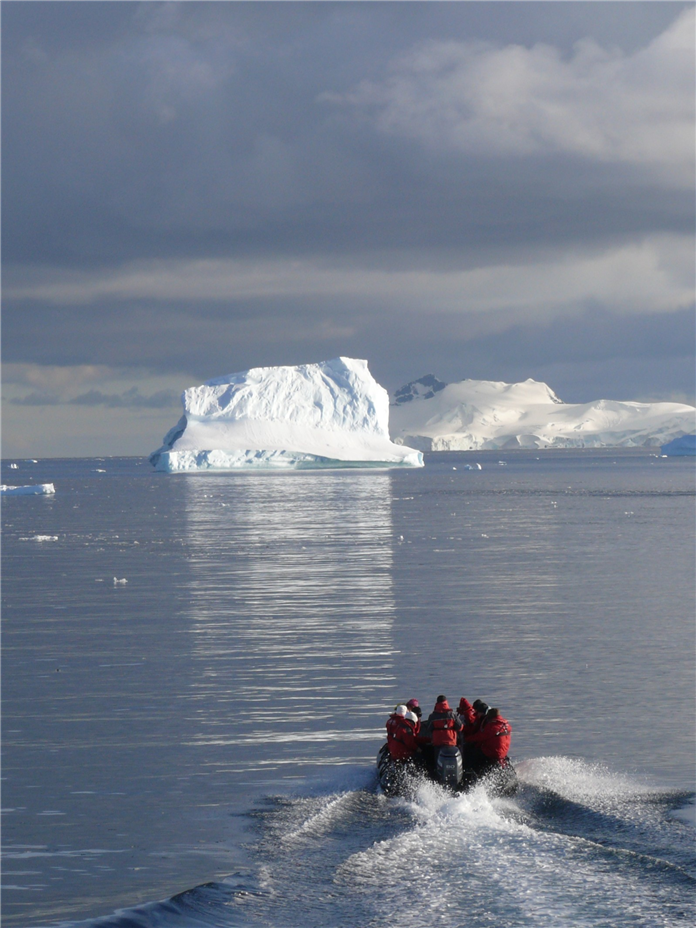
point(191, 129)
point(627, 357)
point(352, 138)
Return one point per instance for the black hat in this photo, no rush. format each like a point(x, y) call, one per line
point(480, 706)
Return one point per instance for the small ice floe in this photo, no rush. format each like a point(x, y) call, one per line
point(38, 489)
point(32, 461)
point(117, 582)
point(484, 536)
point(13, 467)
point(454, 468)
point(502, 463)
point(41, 538)
point(99, 470)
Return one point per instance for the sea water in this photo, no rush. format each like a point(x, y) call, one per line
point(197, 670)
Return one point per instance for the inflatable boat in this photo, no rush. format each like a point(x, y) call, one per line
point(401, 778)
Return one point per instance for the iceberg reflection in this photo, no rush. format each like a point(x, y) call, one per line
point(292, 611)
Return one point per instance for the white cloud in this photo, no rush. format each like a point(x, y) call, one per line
point(654, 275)
point(600, 104)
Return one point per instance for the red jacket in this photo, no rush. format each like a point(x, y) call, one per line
point(468, 714)
point(471, 718)
point(445, 724)
point(493, 738)
point(401, 737)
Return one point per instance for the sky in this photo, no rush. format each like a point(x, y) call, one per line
point(487, 190)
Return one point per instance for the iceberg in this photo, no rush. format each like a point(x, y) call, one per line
point(489, 415)
point(330, 414)
point(685, 444)
point(37, 489)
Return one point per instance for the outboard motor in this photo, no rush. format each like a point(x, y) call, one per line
point(449, 767)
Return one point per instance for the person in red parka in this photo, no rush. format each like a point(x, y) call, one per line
point(402, 728)
point(444, 724)
point(490, 744)
point(472, 716)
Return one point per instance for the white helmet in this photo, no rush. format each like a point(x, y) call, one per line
point(411, 716)
point(401, 710)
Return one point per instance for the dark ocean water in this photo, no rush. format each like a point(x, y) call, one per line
point(195, 746)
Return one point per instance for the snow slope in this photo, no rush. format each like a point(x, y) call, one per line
point(331, 414)
point(484, 414)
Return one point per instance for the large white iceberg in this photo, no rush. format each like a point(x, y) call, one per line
point(483, 414)
point(331, 414)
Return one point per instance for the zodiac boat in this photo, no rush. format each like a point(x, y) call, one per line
point(400, 778)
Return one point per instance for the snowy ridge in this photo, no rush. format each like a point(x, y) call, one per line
point(483, 414)
point(331, 414)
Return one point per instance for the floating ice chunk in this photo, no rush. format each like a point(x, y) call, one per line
point(41, 538)
point(38, 489)
point(326, 415)
point(13, 467)
point(117, 581)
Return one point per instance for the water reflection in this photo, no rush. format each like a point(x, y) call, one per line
point(292, 611)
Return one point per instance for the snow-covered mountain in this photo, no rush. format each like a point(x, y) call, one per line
point(331, 414)
point(484, 414)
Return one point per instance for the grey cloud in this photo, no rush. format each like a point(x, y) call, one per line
point(198, 129)
point(132, 399)
point(135, 132)
point(129, 399)
point(653, 351)
point(36, 399)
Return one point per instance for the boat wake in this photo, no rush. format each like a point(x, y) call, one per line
point(579, 845)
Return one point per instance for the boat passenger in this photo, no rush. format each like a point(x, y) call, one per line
point(414, 707)
point(444, 723)
point(489, 745)
point(401, 734)
point(392, 721)
point(472, 715)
